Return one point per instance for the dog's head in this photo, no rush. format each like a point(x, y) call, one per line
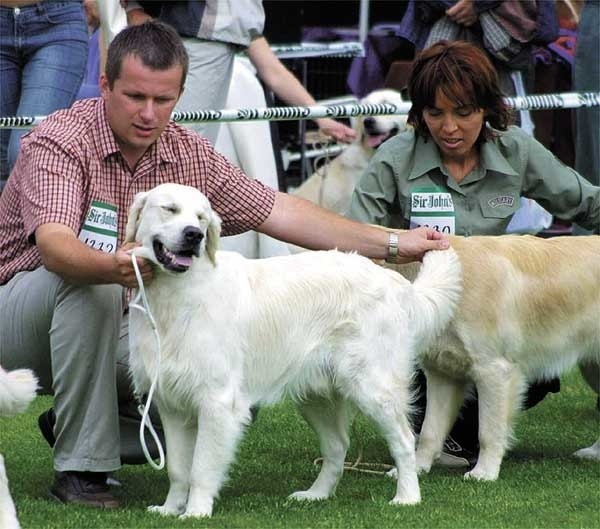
point(374, 130)
point(174, 224)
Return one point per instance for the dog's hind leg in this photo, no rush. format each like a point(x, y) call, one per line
point(180, 436)
point(220, 427)
point(385, 400)
point(500, 387)
point(331, 421)
point(444, 399)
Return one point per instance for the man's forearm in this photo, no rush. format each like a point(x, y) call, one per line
point(301, 222)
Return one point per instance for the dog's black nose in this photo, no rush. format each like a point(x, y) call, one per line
point(369, 123)
point(192, 235)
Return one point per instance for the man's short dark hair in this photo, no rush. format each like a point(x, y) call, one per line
point(156, 44)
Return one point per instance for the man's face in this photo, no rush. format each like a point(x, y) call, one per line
point(140, 104)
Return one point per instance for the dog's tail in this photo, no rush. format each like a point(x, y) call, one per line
point(437, 286)
point(17, 390)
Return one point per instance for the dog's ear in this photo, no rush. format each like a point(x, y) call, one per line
point(133, 218)
point(213, 235)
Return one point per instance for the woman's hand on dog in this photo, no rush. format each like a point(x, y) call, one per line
point(336, 130)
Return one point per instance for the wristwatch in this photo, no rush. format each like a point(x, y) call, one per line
point(392, 247)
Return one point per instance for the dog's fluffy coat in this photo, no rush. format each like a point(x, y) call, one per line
point(17, 390)
point(330, 330)
point(529, 310)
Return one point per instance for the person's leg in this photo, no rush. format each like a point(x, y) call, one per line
point(68, 335)
point(10, 83)
point(54, 44)
point(207, 84)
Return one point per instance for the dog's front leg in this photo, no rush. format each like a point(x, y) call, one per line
point(444, 399)
point(180, 436)
point(220, 426)
point(500, 386)
point(8, 514)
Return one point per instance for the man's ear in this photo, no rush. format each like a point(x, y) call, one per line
point(104, 87)
point(133, 219)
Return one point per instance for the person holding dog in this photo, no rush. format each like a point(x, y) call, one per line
point(462, 169)
point(63, 267)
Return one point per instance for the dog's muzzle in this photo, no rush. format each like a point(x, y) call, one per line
point(179, 259)
point(376, 137)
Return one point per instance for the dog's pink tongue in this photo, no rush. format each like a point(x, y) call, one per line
point(183, 260)
point(374, 141)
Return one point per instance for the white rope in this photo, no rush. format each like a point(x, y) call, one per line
point(144, 411)
point(530, 102)
point(379, 469)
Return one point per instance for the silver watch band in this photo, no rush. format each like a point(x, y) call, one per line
point(392, 246)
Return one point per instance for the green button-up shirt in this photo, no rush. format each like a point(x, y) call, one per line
point(511, 165)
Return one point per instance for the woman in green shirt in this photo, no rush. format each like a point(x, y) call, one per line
point(462, 169)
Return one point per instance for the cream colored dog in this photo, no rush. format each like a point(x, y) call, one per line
point(530, 309)
point(332, 185)
point(17, 390)
point(333, 331)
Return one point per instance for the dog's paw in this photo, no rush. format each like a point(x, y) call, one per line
point(165, 510)
point(198, 509)
point(591, 452)
point(408, 499)
point(392, 474)
point(196, 513)
point(307, 495)
point(481, 474)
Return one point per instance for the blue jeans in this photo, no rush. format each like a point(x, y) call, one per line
point(43, 56)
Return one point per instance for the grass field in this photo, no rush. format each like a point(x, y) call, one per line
point(540, 485)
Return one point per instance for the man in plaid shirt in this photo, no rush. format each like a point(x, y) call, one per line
point(62, 263)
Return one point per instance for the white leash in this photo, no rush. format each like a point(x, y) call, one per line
point(144, 410)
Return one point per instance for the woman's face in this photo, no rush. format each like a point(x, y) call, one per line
point(454, 129)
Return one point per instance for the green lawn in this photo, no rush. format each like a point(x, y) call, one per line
point(540, 485)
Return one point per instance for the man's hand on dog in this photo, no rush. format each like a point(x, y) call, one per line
point(125, 266)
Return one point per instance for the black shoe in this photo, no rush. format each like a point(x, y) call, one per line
point(129, 427)
point(83, 488)
point(46, 422)
point(454, 455)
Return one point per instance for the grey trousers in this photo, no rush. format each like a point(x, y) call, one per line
point(207, 83)
point(73, 337)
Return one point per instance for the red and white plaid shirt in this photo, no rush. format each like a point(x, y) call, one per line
point(72, 158)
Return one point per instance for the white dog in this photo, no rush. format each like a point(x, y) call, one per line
point(529, 310)
point(17, 390)
point(332, 185)
point(328, 329)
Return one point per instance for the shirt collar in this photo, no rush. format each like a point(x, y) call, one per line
point(108, 145)
point(427, 157)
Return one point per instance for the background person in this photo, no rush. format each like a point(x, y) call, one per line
point(62, 222)
point(43, 55)
point(463, 154)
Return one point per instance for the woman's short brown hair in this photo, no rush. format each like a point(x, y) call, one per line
point(465, 75)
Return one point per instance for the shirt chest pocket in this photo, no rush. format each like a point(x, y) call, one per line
point(499, 206)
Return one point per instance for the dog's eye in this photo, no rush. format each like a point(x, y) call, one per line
point(169, 209)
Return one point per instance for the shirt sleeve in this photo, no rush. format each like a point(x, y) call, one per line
point(242, 203)
point(560, 189)
point(51, 186)
point(375, 196)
